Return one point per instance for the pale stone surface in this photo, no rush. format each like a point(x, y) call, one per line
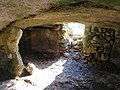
point(66, 55)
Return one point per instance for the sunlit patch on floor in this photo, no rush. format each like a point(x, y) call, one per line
point(40, 79)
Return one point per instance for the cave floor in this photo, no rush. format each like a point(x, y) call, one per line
point(62, 74)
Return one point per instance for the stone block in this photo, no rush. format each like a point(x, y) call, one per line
point(63, 45)
point(100, 50)
point(98, 56)
point(108, 38)
point(111, 42)
point(104, 57)
point(93, 42)
point(100, 30)
point(76, 47)
point(76, 57)
point(64, 49)
point(106, 45)
point(63, 41)
point(66, 55)
point(107, 51)
point(108, 33)
point(96, 38)
point(74, 43)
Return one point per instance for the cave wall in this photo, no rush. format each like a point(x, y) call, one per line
point(11, 64)
point(3, 56)
point(44, 39)
point(101, 43)
point(115, 54)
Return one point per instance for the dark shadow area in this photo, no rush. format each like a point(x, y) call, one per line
point(80, 76)
point(105, 66)
point(38, 59)
point(36, 49)
point(5, 75)
point(108, 66)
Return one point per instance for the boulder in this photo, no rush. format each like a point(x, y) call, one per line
point(66, 55)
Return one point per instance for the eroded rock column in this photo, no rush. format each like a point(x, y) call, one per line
point(11, 64)
point(12, 39)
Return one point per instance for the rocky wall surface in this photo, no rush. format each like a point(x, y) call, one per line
point(98, 43)
point(11, 64)
point(115, 54)
point(12, 39)
point(43, 40)
point(3, 56)
point(70, 43)
point(63, 41)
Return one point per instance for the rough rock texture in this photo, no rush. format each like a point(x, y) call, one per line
point(3, 55)
point(77, 76)
point(63, 41)
point(63, 74)
point(23, 13)
point(116, 46)
point(12, 10)
point(68, 42)
point(12, 39)
point(17, 14)
point(75, 13)
point(11, 62)
point(98, 42)
point(43, 40)
point(115, 53)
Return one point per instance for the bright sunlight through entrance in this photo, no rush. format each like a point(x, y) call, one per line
point(77, 28)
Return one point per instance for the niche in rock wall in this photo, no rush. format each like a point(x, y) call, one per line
point(39, 39)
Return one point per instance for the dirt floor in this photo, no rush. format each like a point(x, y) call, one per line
point(62, 74)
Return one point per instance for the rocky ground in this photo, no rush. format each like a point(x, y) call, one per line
point(62, 74)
